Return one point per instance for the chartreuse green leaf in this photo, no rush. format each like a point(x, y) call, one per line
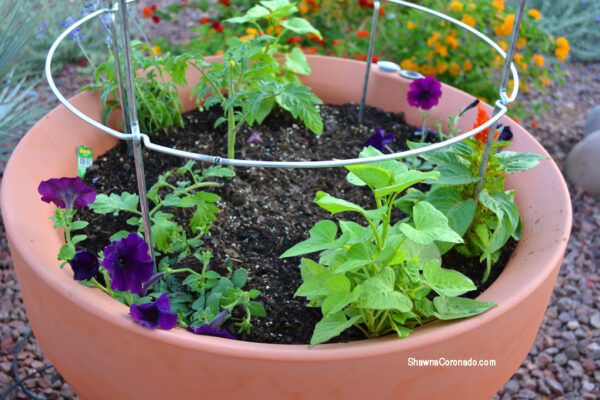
point(205, 209)
point(421, 252)
point(314, 279)
point(332, 325)
point(459, 307)
point(507, 212)
point(378, 293)
point(430, 225)
point(340, 294)
point(373, 176)
point(322, 236)
point(163, 231)
point(405, 180)
point(252, 14)
point(356, 233)
point(114, 203)
point(300, 26)
point(446, 282)
point(455, 174)
point(335, 205)
point(358, 255)
point(296, 62)
point(512, 162)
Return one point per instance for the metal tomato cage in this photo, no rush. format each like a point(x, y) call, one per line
point(116, 21)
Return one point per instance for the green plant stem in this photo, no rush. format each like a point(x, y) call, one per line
point(186, 190)
point(107, 280)
point(86, 55)
point(99, 286)
point(382, 320)
point(215, 87)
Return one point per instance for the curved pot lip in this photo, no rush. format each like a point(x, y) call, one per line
point(111, 312)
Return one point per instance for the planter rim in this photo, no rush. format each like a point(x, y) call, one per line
point(103, 306)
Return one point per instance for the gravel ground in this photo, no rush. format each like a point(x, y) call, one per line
point(563, 361)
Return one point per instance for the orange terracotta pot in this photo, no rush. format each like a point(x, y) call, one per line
point(103, 354)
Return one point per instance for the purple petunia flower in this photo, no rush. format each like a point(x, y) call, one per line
point(85, 265)
point(379, 140)
point(505, 133)
point(424, 93)
point(212, 328)
point(128, 263)
point(254, 137)
point(67, 192)
point(154, 315)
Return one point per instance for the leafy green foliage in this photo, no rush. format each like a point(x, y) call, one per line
point(169, 236)
point(158, 104)
point(251, 80)
point(486, 224)
point(380, 277)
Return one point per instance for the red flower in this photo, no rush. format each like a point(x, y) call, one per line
point(294, 39)
point(337, 41)
point(217, 26)
point(360, 57)
point(147, 12)
point(534, 124)
point(226, 3)
point(311, 50)
point(155, 19)
point(482, 118)
point(204, 20)
point(375, 58)
point(362, 33)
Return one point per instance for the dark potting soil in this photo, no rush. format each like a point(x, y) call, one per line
point(266, 211)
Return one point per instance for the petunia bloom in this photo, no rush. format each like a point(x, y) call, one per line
point(156, 314)
point(505, 133)
point(128, 263)
point(85, 265)
point(67, 192)
point(379, 139)
point(424, 93)
point(212, 328)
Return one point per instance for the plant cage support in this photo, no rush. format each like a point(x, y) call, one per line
point(125, 75)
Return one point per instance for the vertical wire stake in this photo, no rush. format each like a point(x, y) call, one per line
point(503, 97)
point(361, 109)
point(135, 129)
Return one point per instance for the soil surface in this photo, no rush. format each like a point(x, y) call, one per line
point(266, 211)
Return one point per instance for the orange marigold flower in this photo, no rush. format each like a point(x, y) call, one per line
point(427, 69)
point(505, 28)
point(482, 118)
point(304, 8)
point(534, 123)
point(456, 6)
point(433, 39)
point(562, 48)
point(454, 69)
point(469, 20)
point(362, 33)
point(411, 25)
point(535, 14)
point(441, 50)
point(441, 67)
point(147, 12)
point(538, 59)
point(452, 42)
point(498, 5)
point(521, 42)
point(468, 66)
point(409, 65)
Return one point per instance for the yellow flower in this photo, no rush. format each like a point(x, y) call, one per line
point(535, 14)
point(469, 20)
point(244, 38)
point(454, 69)
point(409, 65)
point(456, 6)
point(411, 25)
point(452, 42)
point(303, 8)
point(562, 48)
point(472, 6)
point(156, 51)
point(427, 69)
point(468, 66)
point(538, 59)
point(219, 52)
point(251, 31)
point(546, 82)
point(518, 58)
point(521, 42)
point(498, 5)
point(441, 68)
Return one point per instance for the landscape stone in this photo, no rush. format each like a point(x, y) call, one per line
point(582, 163)
point(592, 122)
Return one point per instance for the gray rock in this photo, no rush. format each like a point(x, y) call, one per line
point(527, 394)
point(544, 359)
point(592, 122)
point(575, 368)
point(588, 386)
point(595, 321)
point(572, 353)
point(529, 383)
point(572, 325)
point(512, 386)
point(565, 317)
point(582, 164)
point(555, 386)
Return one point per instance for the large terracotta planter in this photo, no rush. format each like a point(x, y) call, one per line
point(103, 354)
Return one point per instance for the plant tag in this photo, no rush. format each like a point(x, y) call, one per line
point(84, 160)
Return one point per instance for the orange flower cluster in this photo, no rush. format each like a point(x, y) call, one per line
point(482, 118)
